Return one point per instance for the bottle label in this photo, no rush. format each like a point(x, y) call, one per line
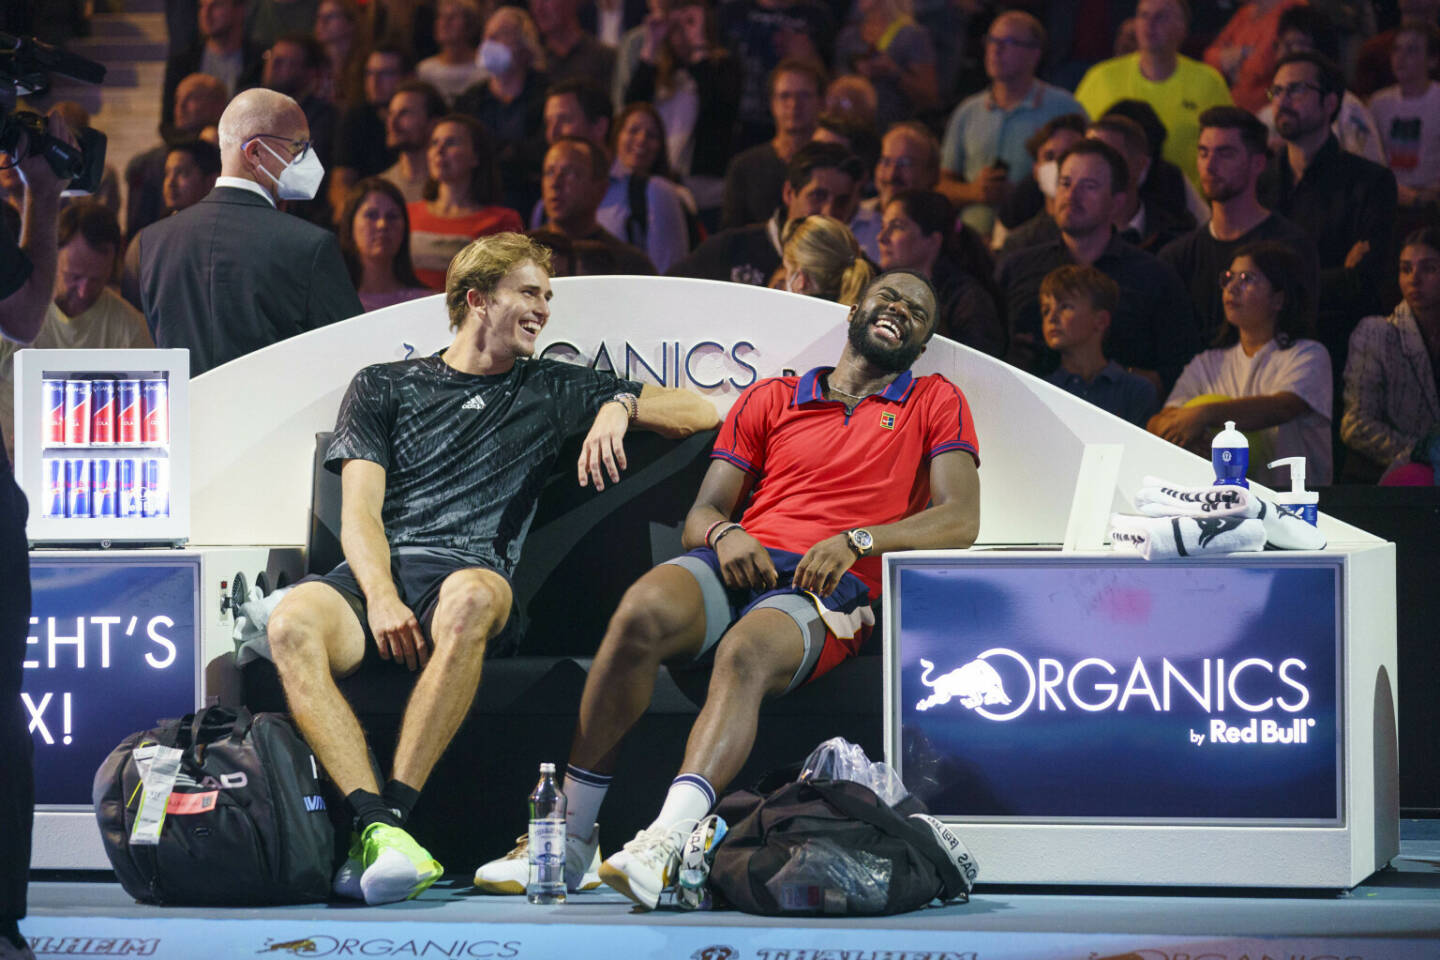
point(547, 842)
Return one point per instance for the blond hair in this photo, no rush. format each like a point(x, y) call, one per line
point(483, 264)
point(825, 249)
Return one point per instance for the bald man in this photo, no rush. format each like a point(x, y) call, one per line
point(232, 274)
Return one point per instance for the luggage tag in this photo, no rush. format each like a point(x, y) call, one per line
point(163, 765)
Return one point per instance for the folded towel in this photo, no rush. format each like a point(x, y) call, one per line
point(1284, 528)
point(1156, 538)
point(1159, 498)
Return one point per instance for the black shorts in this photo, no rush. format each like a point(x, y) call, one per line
point(418, 573)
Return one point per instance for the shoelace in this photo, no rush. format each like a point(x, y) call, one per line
point(522, 847)
point(658, 845)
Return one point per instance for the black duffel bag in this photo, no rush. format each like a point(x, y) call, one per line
point(247, 818)
point(833, 847)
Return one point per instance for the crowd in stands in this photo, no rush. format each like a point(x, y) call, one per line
point(1185, 215)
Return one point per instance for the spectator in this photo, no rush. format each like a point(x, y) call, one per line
point(1264, 373)
point(1408, 115)
point(572, 53)
point(755, 176)
point(1244, 53)
point(1373, 70)
point(1391, 405)
point(408, 24)
point(191, 168)
point(820, 258)
point(269, 20)
point(199, 101)
point(459, 26)
point(1345, 203)
point(374, 240)
point(1027, 218)
point(222, 52)
point(822, 178)
point(643, 205)
point(853, 98)
point(414, 110)
point(983, 153)
point(695, 84)
point(577, 108)
point(362, 147)
point(1076, 304)
point(1179, 88)
point(1147, 226)
point(572, 184)
point(511, 103)
point(1307, 28)
point(918, 234)
point(295, 66)
point(610, 20)
point(1163, 185)
point(763, 34)
point(909, 160)
point(337, 25)
point(461, 198)
point(1232, 156)
point(1153, 329)
point(232, 274)
point(894, 52)
point(84, 312)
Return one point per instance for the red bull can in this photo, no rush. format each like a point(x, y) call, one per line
point(77, 487)
point(102, 488)
point(53, 476)
point(127, 413)
point(127, 487)
point(155, 489)
point(77, 413)
point(52, 410)
point(155, 409)
point(102, 411)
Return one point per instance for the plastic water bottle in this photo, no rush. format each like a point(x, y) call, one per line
point(547, 840)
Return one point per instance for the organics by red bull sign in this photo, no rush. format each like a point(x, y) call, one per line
point(1189, 690)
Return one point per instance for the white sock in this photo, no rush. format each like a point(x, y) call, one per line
point(584, 792)
point(690, 798)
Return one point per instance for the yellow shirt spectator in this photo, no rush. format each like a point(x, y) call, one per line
point(1178, 100)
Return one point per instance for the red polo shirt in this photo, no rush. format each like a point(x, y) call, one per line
point(819, 472)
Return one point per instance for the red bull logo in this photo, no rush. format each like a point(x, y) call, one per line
point(974, 684)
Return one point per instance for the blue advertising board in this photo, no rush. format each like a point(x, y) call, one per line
point(1178, 691)
point(111, 649)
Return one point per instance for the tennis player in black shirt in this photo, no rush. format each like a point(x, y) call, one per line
point(441, 461)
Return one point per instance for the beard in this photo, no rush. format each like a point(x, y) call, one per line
point(1221, 192)
point(894, 359)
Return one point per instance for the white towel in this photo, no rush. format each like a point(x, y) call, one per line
point(1159, 538)
point(1284, 528)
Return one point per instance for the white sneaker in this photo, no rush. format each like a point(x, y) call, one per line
point(648, 865)
point(510, 873)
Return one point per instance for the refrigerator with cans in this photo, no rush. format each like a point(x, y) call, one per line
point(102, 445)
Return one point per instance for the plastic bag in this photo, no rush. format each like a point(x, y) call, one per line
point(839, 759)
point(823, 876)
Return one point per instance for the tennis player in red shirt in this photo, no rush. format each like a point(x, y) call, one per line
point(839, 465)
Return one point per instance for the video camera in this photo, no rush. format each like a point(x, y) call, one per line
point(25, 68)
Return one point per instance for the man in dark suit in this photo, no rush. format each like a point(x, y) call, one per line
point(232, 274)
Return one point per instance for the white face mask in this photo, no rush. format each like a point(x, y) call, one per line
point(300, 180)
point(1047, 176)
point(494, 57)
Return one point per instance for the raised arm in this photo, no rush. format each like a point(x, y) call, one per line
point(362, 538)
point(668, 412)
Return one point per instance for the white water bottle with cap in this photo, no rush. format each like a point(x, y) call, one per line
point(1305, 503)
point(1230, 456)
point(547, 840)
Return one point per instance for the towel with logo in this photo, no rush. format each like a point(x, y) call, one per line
point(1284, 528)
point(1161, 538)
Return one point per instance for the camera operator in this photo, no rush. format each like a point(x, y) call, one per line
point(27, 282)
